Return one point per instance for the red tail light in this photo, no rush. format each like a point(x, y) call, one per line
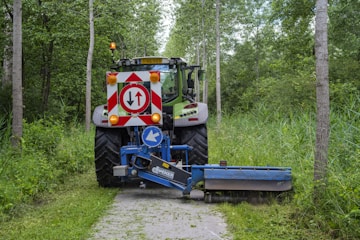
point(191, 105)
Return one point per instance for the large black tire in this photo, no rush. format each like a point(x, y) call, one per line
point(196, 137)
point(108, 142)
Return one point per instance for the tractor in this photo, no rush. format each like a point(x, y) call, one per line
point(151, 128)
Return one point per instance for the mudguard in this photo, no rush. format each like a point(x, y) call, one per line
point(99, 117)
point(191, 117)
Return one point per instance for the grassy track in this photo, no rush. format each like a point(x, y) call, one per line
point(69, 211)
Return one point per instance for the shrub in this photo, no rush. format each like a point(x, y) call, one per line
point(42, 136)
point(75, 151)
point(25, 176)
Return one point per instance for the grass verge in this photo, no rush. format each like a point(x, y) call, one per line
point(67, 213)
point(274, 221)
point(256, 140)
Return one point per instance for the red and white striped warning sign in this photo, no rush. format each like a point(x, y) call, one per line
point(131, 103)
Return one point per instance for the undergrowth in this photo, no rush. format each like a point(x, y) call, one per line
point(270, 139)
point(50, 152)
point(67, 213)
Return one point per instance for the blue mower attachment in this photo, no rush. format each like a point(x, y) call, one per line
point(151, 161)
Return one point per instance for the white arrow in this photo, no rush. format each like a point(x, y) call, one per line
point(152, 136)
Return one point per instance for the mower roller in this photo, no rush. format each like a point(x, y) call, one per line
point(151, 128)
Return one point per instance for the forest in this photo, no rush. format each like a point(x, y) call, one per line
point(267, 50)
point(267, 63)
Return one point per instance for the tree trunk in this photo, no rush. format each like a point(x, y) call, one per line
point(7, 60)
point(218, 89)
point(205, 83)
point(46, 74)
point(88, 66)
point(7, 66)
point(322, 98)
point(17, 76)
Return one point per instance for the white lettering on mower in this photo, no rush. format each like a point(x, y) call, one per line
point(163, 172)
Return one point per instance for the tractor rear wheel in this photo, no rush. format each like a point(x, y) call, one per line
point(108, 142)
point(196, 137)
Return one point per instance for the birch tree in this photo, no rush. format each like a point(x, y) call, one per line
point(7, 61)
point(89, 66)
point(322, 96)
point(218, 89)
point(204, 66)
point(17, 75)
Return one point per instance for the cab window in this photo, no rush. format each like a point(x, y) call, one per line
point(167, 79)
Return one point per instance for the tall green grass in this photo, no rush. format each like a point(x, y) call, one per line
point(341, 202)
point(50, 152)
point(67, 213)
point(263, 138)
point(5, 132)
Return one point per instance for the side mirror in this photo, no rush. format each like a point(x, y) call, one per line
point(201, 75)
point(191, 83)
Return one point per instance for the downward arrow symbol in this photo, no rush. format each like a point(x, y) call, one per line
point(130, 101)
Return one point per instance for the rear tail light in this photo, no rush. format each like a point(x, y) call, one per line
point(191, 105)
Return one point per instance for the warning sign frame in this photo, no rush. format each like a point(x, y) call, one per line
point(135, 116)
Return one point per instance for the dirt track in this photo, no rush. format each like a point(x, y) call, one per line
point(162, 214)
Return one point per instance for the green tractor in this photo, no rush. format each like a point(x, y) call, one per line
point(149, 91)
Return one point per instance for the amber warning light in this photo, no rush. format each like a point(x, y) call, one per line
point(112, 46)
point(154, 77)
point(114, 119)
point(111, 79)
point(155, 118)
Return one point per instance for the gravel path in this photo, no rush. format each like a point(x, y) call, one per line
point(162, 214)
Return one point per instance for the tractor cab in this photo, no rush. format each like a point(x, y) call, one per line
point(175, 75)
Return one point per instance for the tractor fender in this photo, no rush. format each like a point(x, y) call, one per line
point(196, 119)
point(100, 116)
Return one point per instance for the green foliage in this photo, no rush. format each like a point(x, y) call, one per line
point(299, 94)
point(4, 131)
point(42, 136)
point(267, 71)
point(267, 222)
point(5, 105)
point(23, 176)
point(245, 139)
point(268, 66)
point(340, 205)
point(55, 48)
point(266, 50)
point(261, 137)
point(344, 39)
point(75, 152)
point(268, 137)
point(68, 213)
point(338, 210)
point(194, 29)
point(50, 152)
point(243, 90)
